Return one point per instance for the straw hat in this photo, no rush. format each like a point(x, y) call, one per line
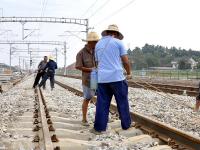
point(92, 36)
point(113, 27)
point(51, 58)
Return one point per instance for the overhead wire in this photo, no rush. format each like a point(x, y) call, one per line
point(97, 10)
point(87, 10)
point(115, 12)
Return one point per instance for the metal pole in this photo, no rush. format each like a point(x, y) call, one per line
point(10, 55)
point(23, 65)
point(1, 12)
point(19, 63)
point(28, 48)
point(30, 60)
point(56, 55)
point(23, 23)
point(87, 27)
point(65, 71)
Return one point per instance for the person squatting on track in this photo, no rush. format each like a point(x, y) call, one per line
point(197, 101)
point(110, 54)
point(85, 62)
point(41, 72)
point(50, 68)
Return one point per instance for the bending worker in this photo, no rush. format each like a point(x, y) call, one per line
point(85, 62)
point(50, 68)
point(41, 72)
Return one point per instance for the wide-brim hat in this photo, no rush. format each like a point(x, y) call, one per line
point(51, 58)
point(92, 36)
point(113, 27)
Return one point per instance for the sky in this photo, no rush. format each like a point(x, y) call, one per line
point(159, 22)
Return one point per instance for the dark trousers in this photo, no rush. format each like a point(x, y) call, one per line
point(104, 96)
point(37, 79)
point(46, 76)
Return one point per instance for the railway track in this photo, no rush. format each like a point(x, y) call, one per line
point(167, 88)
point(44, 126)
point(172, 137)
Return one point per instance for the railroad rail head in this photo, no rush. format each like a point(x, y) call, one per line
point(44, 115)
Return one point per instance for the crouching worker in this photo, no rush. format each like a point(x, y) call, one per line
point(51, 66)
point(197, 101)
point(41, 72)
point(85, 62)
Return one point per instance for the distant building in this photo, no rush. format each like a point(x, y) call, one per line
point(4, 69)
point(193, 63)
point(174, 64)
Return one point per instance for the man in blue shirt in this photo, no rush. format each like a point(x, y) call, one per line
point(110, 54)
point(51, 66)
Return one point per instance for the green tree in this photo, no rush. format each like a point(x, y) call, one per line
point(183, 64)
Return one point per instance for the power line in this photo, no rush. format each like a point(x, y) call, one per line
point(89, 8)
point(92, 5)
point(115, 12)
point(101, 7)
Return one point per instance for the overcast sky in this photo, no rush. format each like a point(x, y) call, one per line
point(163, 22)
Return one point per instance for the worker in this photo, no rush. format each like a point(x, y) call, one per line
point(197, 101)
point(40, 72)
point(50, 68)
point(85, 62)
point(1, 90)
point(110, 54)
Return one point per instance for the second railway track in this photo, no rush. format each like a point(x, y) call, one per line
point(168, 88)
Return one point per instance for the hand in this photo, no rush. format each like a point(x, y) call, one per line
point(91, 69)
point(128, 76)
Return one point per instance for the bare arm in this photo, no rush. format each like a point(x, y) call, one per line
point(84, 69)
point(126, 64)
point(79, 63)
point(39, 65)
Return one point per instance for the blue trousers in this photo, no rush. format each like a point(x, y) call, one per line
point(105, 93)
point(46, 76)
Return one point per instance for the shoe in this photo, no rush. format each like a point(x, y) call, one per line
point(95, 132)
point(85, 123)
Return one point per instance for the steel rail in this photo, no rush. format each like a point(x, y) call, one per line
point(48, 145)
point(164, 132)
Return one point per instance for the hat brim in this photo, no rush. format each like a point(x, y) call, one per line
point(104, 33)
point(89, 40)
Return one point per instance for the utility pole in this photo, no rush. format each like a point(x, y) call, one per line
point(1, 12)
point(28, 48)
point(10, 55)
point(56, 54)
point(19, 63)
point(87, 27)
point(23, 23)
point(30, 59)
point(65, 71)
point(23, 64)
